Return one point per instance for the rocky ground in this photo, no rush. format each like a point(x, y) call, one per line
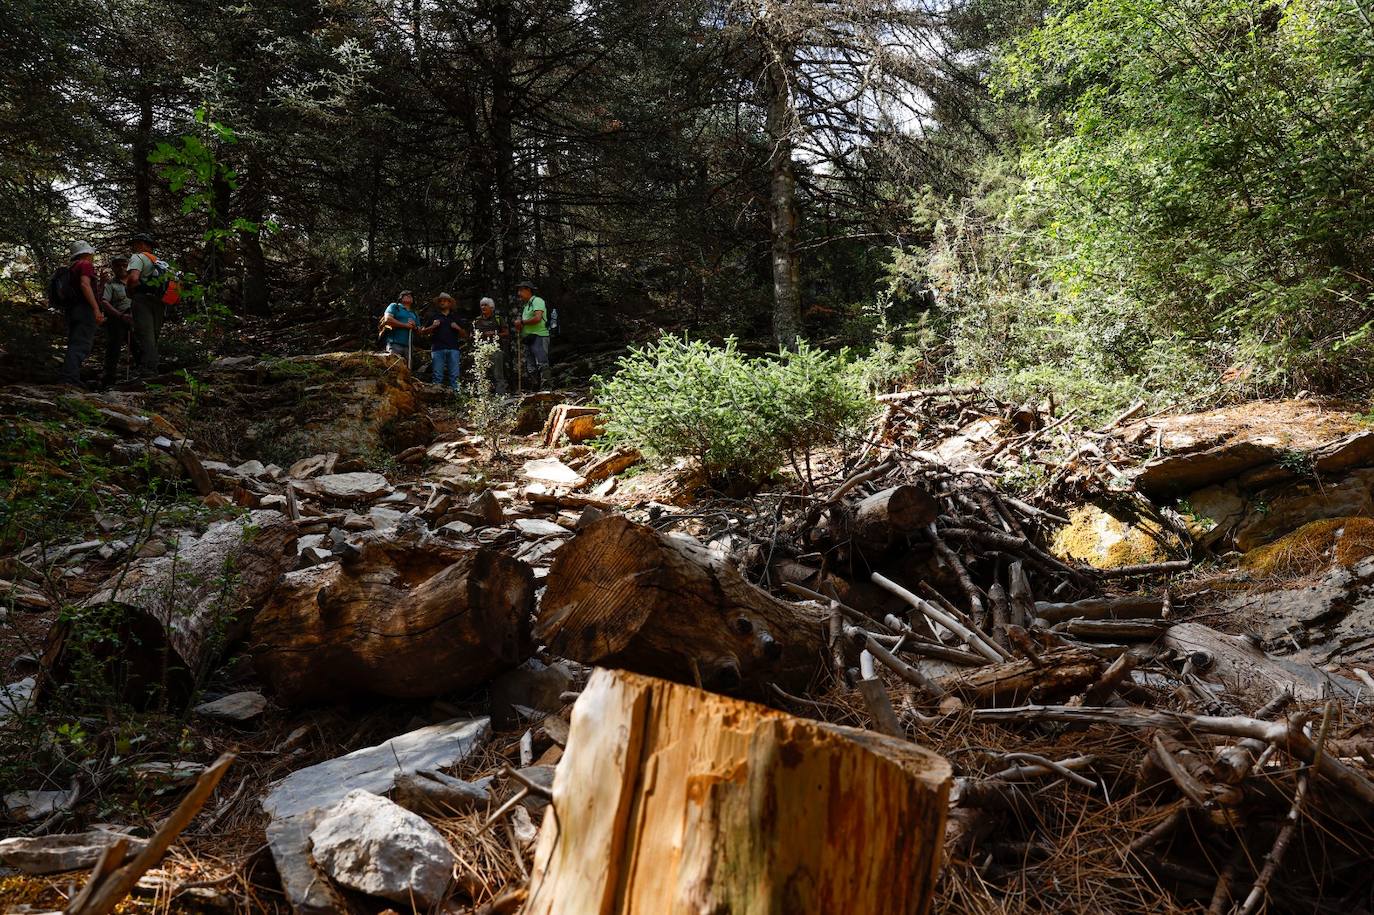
point(1143, 649)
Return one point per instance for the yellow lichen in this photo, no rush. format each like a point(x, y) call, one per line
point(1107, 542)
point(1313, 547)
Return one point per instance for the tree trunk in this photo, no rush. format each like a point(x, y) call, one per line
point(623, 595)
point(787, 326)
point(180, 612)
point(143, 169)
point(255, 292)
point(503, 143)
point(758, 812)
point(402, 618)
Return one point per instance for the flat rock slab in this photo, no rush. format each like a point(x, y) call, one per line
point(297, 802)
point(27, 806)
point(551, 470)
point(242, 706)
point(538, 527)
point(370, 844)
point(357, 486)
point(67, 852)
point(1200, 449)
point(16, 698)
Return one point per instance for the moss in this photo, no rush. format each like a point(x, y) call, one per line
point(1107, 542)
point(1313, 547)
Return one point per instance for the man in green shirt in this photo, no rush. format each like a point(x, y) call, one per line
point(533, 329)
point(146, 282)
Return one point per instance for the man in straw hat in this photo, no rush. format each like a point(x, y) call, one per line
point(444, 352)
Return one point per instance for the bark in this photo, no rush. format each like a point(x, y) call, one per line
point(143, 169)
point(503, 143)
point(181, 612)
point(623, 595)
point(759, 812)
point(403, 618)
point(1056, 675)
point(782, 207)
point(577, 423)
point(885, 518)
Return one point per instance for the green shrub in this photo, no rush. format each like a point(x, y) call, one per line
point(738, 418)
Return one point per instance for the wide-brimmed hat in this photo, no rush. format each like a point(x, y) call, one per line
point(403, 293)
point(144, 237)
point(443, 296)
point(78, 249)
point(526, 284)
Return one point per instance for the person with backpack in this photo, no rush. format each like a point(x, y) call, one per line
point(533, 329)
point(114, 299)
point(445, 353)
point(398, 324)
point(148, 282)
point(72, 290)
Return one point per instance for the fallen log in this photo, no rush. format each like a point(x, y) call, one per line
point(578, 423)
point(759, 812)
point(1132, 606)
point(405, 616)
point(624, 595)
point(886, 518)
point(173, 616)
point(1058, 673)
point(1246, 670)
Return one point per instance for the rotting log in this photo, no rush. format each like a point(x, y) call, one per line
point(623, 595)
point(578, 423)
point(758, 812)
point(406, 616)
point(1054, 674)
point(175, 615)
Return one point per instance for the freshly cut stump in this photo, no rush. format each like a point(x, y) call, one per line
point(405, 618)
point(674, 801)
point(623, 595)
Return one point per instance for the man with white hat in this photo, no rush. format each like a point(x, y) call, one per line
point(73, 289)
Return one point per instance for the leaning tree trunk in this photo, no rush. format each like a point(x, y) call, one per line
point(672, 801)
point(623, 595)
point(403, 617)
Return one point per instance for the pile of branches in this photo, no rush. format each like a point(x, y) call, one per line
point(1102, 765)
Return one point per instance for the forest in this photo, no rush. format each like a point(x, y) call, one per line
point(789, 456)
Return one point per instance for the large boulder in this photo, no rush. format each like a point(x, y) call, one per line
point(370, 844)
point(1282, 509)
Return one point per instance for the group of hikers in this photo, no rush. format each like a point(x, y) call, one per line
point(446, 331)
point(129, 297)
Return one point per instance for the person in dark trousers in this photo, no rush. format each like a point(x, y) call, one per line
point(146, 282)
point(488, 327)
point(80, 308)
point(118, 308)
point(445, 352)
point(533, 328)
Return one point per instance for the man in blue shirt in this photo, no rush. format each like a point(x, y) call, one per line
point(444, 351)
point(398, 322)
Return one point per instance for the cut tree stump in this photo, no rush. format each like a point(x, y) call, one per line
point(578, 423)
point(407, 616)
point(674, 801)
point(885, 518)
point(623, 595)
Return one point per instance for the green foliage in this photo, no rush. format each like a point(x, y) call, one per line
point(491, 414)
point(1205, 166)
point(738, 418)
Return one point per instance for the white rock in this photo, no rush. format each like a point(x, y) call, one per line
point(309, 540)
point(316, 555)
point(538, 527)
point(551, 470)
point(16, 698)
point(370, 844)
point(241, 706)
point(27, 806)
point(57, 853)
point(250, 468)
point(457, 528)
point(352, 486)
point(384, 518)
